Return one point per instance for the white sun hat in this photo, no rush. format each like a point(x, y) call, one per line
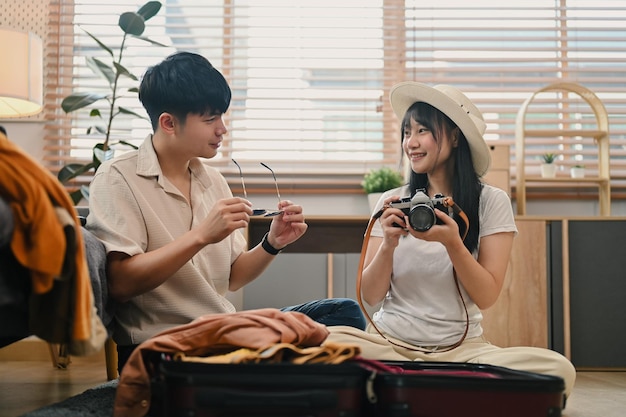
point(454, 104)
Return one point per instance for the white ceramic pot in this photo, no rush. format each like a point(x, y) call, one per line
point(372, 199)
point(548, 170)
point(577, 172)
point(104, 155)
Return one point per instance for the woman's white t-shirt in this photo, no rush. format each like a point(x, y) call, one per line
point(422, 306)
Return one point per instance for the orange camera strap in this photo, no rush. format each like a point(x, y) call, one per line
point(457, 210)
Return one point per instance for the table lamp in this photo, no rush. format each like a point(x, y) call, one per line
point(21, 74)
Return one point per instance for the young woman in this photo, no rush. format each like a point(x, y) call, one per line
point(433, 282)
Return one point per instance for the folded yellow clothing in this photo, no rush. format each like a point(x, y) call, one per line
point(329, 353)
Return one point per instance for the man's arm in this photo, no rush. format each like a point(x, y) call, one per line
point(130, 276)
point(285, 229)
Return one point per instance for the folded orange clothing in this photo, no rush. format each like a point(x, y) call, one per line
point(210, 335)
point(38, 239)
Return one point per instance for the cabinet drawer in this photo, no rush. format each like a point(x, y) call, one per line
point(498, 178)
point(500, 156)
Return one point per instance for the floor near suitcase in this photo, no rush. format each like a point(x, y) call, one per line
point(597, 394)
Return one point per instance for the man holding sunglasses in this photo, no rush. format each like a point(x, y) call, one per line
point(170, 224)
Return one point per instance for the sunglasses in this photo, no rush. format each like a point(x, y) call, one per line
point(259, 211)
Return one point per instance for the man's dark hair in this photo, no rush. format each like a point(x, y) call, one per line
point(184, 83)
point(3, 130)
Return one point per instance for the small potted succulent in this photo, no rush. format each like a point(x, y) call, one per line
point(548, 167)
point(377, 181)
point(578, 171)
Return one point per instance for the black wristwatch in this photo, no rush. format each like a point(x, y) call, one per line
point(269, 248)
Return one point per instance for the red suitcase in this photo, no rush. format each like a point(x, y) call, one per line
point(442, 389)
point(194, 389)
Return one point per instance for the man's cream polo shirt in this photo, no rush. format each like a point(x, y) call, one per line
point(135, 209)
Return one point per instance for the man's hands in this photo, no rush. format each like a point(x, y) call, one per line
point(226, 216)
point(287, 227)
point(230, 214)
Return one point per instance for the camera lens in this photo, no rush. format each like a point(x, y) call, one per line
point(422, 217)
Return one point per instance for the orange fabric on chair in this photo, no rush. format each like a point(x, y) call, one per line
point(38, 239)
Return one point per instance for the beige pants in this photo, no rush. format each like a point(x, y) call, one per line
point(475, 350)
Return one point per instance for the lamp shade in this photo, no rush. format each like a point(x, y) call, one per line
point(21, 74)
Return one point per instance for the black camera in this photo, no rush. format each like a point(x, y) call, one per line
point(420, 209)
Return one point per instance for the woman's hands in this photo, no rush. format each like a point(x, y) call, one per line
point(395, 224)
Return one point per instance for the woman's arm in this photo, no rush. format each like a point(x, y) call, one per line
point(376, 274)
point(378, 264)
point(483, 278)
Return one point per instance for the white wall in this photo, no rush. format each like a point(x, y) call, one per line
point(28, 135)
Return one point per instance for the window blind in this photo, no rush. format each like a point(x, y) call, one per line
point(310, 80)
point(502, 54)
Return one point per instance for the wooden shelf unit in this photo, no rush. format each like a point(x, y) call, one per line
point(600, 136)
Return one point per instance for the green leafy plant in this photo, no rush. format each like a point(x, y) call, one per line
point(548, 158)
point(380, 180)
point(133, 25)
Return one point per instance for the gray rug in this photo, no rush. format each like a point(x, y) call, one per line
point(95, 402)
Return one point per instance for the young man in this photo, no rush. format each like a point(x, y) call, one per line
point(170, 223)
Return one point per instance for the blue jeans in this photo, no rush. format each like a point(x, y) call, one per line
point(332, 312)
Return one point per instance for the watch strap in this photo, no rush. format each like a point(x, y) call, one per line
point(268, 247)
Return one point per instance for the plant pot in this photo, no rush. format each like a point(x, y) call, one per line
point(577, 172)
point(104, 155)
point(372, 199)
point(548, 170)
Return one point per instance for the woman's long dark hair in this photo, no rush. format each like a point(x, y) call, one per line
point(466, 186)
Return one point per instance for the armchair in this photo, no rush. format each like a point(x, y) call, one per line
point(14, 285)
point(15, 290)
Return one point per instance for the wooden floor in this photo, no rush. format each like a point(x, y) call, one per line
point(28, 385)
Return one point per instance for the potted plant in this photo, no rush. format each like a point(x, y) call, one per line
point(548, 167)
point(577, 171)
point(133, 25)
point(377, 181)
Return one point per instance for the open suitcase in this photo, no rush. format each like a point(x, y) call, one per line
point(357, 388)
point(193, 389)
point(441, 389)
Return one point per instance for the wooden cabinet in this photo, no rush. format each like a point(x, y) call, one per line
point(520, 316)
point(565, 290)
point(499, 174)
point(588, 287)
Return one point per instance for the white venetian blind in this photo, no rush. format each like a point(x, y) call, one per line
point(310, 79)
